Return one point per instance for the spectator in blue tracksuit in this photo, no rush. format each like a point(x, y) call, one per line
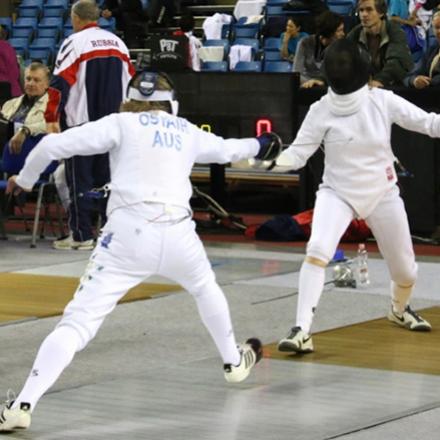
point(91, 74)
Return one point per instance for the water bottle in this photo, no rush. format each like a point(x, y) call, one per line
point(362, 263)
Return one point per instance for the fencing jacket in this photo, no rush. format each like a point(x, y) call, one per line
point(356, 132)
point(151, 155)
point(91, 74)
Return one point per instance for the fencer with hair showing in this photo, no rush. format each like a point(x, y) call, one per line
point(149, 230)
point(353, 122)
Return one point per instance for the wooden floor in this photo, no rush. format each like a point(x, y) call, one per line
point(377, 344)
point(24, 296)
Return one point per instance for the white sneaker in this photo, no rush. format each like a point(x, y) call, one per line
point(17, 418)
point(296, 341)
point(251, 352)
point(68, 243)
point(410, 320)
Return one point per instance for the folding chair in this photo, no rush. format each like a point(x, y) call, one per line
point(12, 164)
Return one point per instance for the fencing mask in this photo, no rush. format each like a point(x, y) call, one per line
point(346, 66)
point(144, 86)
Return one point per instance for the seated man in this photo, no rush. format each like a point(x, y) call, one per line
point(385, 41)
point(26, 114)
point(427, 74)
point(27, 111)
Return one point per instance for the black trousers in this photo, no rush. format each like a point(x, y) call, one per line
point(82, 174)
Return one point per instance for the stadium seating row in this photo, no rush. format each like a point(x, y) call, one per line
point(248, 66)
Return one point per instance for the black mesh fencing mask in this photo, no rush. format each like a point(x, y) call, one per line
point(346, 66)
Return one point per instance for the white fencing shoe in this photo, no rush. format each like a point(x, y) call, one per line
point(68, 243)
point(296, 341)
point(410, 320)
point(251, 352)
point(15, 419)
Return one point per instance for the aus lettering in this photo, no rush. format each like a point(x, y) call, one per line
point(166, 139)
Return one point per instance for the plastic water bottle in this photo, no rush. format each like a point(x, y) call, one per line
point(362, 263)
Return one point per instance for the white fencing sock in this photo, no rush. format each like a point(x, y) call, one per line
point(311, 284)
point(214, 311)
point(55, 354)
point(400, 297)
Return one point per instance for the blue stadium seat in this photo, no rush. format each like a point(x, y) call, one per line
point(107, 23)
point(57, 3)
point(54, 11)
point(278, 66)
point(51, 22)
point(246, 31)
point(215, 66)
point(29, 11)
point(44, 43)
point(22, 33)
point(25, 22)
point(271, 43)
point(277, 2)
point(20, 45)
point(48, 32)
point(272, 55)
point(253, 42)
point(342, 7)
point(248, 66)
point(223, 42)
point(38, 3)
point(43, 55)
point(67, 31)
point(274, 10)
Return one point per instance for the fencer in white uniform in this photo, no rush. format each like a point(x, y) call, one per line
point(149, 229)
point(353, 122)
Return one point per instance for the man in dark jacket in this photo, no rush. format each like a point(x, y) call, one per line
point(385, 41)
point(427, 73)
point(131, 18)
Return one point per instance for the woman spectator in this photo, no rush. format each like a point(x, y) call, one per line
point(310, 52)
point(9, 69)
point(290, 38)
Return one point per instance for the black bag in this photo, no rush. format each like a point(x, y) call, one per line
point(296, 5)
point(429, 5)
point(161, 12)
point(274, 26)
point(314, 6)
point(280, 228)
